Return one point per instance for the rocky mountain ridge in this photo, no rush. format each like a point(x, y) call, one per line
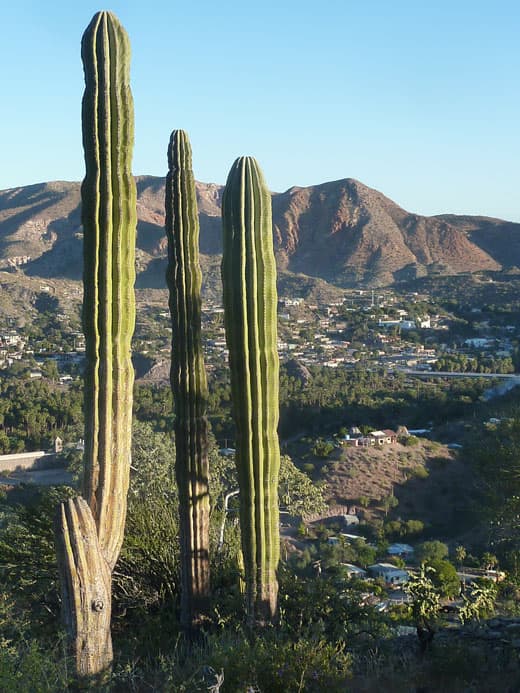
point(341, 231)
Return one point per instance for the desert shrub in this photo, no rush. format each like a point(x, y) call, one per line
point(27, 664)
point(311, 606)
point(28, 570)
point(274, 664)
point(389, 503)
point(418, 472)
point(301, 561)
point(432, 445)
point(148, 567)
point(322, 448)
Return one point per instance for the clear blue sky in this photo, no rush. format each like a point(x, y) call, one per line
point(417, 98)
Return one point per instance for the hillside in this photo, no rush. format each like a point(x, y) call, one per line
point(342, 232)
point(346, 233)
point(428, 480)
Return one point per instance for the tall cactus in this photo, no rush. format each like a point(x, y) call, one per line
point(188, 379)
point(90, 529)
point(249, 281)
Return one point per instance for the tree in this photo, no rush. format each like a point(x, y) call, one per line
point(297, 493)
point(460, 555)
point(445, 577)
point(153, 463)
point(50, 370)
point(494, 458)
point(148, 567)
point(413, 527)
point(431, 551)
point(489, 561)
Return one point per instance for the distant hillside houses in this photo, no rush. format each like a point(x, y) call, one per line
point(10, 338)
point(423, 323)
point(389, 573)
point(480, 342)
point(283, 301)
point(18, 261)
point(355, 438)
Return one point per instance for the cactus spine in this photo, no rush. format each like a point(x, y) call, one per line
point(90, 530)
point(250, 301)
point(188, 379)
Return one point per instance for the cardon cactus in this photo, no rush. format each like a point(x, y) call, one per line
point(188, 379)
point(250, 301)
point(90, 530)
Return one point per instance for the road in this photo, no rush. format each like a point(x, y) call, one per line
point(456, 374)
point(43, 477)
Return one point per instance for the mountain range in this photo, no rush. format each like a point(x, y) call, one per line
point(342, 231)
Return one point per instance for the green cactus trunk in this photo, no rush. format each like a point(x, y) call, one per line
point(90, 530)
point(188, 380)
point(250, 301)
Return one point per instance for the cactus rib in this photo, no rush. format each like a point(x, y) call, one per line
point(188, 378)
point(249, 281)
point(109, 223)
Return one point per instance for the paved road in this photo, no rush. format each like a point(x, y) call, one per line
point(456, 374)
point(43, 477)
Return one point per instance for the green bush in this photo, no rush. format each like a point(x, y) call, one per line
point(419, 472)
point(322, 448)
point(445, 577)
point(231, 663)
point(431, 551)
point(413, 527)
point(25, 663)
point(393, 528)
point(28, 570)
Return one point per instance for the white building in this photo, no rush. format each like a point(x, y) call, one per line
point(390, 574)
point(352, 570)
point(404, 550)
